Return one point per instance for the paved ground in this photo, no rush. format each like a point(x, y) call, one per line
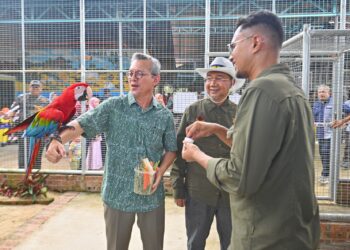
point(75, 221)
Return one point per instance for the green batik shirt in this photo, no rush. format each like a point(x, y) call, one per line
point(189, 178)
point(131, 135)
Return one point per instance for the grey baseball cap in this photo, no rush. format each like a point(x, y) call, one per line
point(35, 83)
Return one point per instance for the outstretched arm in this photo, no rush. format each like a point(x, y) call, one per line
point(201, 129)
point(341, 122)
point(55, 150)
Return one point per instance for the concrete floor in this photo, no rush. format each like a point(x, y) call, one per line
point(80, 225)
point(75, 221)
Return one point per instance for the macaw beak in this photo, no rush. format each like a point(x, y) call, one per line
point(86, 95)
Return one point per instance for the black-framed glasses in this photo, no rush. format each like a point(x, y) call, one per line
point(137, 74)
point(231, 46)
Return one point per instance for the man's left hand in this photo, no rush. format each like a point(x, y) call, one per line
point(158, 179)
point(188, 151)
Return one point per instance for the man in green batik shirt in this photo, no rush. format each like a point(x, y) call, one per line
point(270, 172)
point(192, 190)
point(136, 126)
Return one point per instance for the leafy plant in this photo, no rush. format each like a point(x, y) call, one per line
point(33, 187)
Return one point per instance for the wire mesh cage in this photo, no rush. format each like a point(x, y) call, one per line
point(324, 52)
point(65, 41)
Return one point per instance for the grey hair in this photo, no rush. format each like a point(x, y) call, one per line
point(323, 86)
point(155, 63)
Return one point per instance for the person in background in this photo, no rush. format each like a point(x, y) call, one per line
point(106, 94)
point(24, 106)
point(52, 96)
point(270, 172)
point(136, 127)
point(74, 154)
point(94, 155)
point(169, 101)
point(4, 126)
point(341, 123)
point(323, 114)
point(160, 98)
point(202, 200)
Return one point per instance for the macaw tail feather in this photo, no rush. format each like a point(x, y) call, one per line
point(34, 150)
point(22, 126)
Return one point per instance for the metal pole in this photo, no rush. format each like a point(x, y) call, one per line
point(293, 39)
point(342, 24)
point(338, 85)
point(207, 37)
point(306, 59)
point(121, 83)
point(82, 40)
point(144, 26)
point(82, 68)
point(207, 34)
point(274, 6)
point(338, 89)
point(24, 111)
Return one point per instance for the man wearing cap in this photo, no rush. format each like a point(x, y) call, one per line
point(192, 190)
point(26, 105)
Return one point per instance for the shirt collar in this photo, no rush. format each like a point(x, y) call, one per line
point(276, 68)
point(132, 100)
point(211, 105)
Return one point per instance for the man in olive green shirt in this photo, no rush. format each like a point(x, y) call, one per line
point(202, 200)
point(270, 172)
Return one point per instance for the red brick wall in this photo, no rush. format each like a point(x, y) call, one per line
point(331, 232)
point(335, 232)
point(62, 182)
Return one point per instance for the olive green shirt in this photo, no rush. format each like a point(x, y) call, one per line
point(132, 133)
point(270, 173)
point(190, 178)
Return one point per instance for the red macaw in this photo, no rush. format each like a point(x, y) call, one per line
point(50, 119)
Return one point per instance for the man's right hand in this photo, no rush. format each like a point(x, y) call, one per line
point(180, 202)
point(55, 151)
point(200, 129)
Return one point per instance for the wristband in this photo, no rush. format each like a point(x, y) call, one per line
point(56, 137)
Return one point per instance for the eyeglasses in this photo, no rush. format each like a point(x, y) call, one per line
point(231, 46)
point(217, 79)
point(137, 74)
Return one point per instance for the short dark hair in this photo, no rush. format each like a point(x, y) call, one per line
point(268, 20)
